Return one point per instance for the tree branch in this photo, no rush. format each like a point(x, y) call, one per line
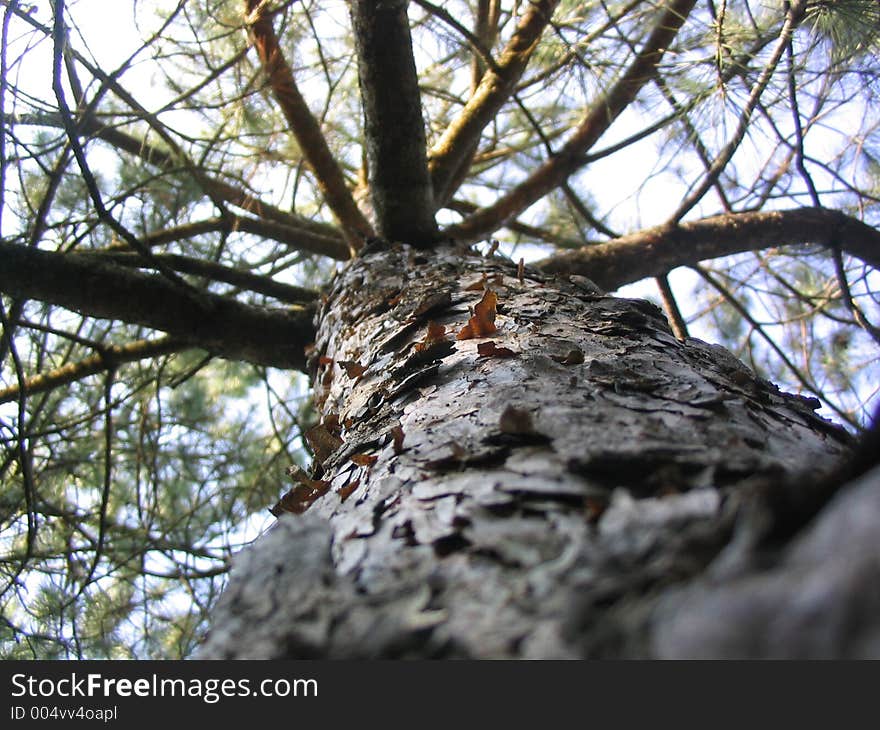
point(298, 232)
point(656, 251)
point(453, 151)
point(220, 325)
point(793, 17)
point(304, 125)
point(107, 358)
point(400, 186)
point(295, 238)
point(599, 117)
point(257, 283)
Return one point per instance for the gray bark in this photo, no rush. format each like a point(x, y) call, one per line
point(589, 486)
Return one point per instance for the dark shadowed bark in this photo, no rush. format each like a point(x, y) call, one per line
point(223, 326)
point(515, 465)
point(400, 186)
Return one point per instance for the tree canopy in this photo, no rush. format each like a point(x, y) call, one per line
point(179, 179)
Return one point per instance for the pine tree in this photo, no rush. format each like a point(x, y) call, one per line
point(425, 210)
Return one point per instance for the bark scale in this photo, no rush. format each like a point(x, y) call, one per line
point(559, 481)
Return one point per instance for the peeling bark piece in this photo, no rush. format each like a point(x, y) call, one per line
point(490, 349)
point(331, 423)
point(364, 459)
point(411, 379)
point(346, 491)
point(302, 496)
point(483, 321)
point(432, 304)
point(479, 284)
point(398, 436)
point(322, 442)
point(352, 368)
point(435, 335)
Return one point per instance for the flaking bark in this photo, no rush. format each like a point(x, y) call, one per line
point(548, 489)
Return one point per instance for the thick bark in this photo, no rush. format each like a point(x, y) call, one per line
point(558, 487)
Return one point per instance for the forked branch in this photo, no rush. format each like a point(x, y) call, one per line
point(599, 117)
point(304, 126)
point(455, 148)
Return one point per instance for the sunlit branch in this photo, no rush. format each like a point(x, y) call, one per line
point(107, 358)
point(657, 250)
point(304, 126)
point(456, 146)
point(599, 117)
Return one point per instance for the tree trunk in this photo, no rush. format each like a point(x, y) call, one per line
point(555, 475)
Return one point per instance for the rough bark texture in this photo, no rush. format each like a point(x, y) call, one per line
point(586, 486)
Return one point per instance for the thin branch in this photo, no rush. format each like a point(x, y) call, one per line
point(792, 20)
point(673, 312)
point(24, 456)
point(298, 232)
point(304, 126)
point(599, 117)
point(59, 36)
point(805, 381)
point(533, 233)
point(107, 358)
point(657, 250)
point(294, 238)
point(257, 283)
